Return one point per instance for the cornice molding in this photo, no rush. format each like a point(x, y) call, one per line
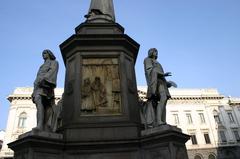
point(12, 97)
point(142, 95)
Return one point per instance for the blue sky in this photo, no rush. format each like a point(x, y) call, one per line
point(198, 40)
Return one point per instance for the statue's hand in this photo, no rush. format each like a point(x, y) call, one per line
point(171, 84)
point(168, 74)
point(40, 80)
point(42, 83)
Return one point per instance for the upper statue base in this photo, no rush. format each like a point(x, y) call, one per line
point(39, 133)
point(99, 28)
point(99, 19)
point(160, 129)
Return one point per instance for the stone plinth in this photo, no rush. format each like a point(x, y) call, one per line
point(100, 101)
point(44, 134)
point(38, 145)
point(165, 142)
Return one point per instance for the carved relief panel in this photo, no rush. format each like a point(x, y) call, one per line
point(100, 87)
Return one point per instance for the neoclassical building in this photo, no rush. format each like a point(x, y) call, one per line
point(211, 119)
point(2, 133)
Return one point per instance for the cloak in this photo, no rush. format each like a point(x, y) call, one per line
point(104, 7)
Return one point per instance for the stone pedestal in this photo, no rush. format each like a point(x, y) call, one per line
point(100, 53)
point(164, 142)
point(38, 145)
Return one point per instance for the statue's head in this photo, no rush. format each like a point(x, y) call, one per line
point(50, 54)
point(153, 53)
point(97, 80)
point(87, 81)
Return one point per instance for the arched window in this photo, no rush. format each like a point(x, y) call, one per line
point(22, 120)
point(197, 157)
point(211, 156)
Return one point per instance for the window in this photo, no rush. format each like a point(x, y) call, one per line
point(207, 138)
point(202, 119)
point(230, 116)
point(189, 118)
point(22, 120)
point(217, 119)
point(222, 136)
point(211, 156)
point(176, 119)
point(1, 142)
point(193, 139)
point(236, 134)
point(197, 157)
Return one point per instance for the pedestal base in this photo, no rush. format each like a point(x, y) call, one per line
point(38, 145)
point(165, 142)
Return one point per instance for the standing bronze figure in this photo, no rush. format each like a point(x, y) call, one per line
point(43, 93)
point(101, 10)
point(157, 93)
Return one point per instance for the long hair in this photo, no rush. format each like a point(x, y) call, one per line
point(151, 51)
point(49, 52)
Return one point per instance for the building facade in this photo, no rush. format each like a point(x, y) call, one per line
point(211, 119)
point(21, 117)
point(2, 133)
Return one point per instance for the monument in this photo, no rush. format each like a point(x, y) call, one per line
point(100, 115)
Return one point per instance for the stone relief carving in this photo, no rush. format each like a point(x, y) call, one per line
point(99, 93)
point(101, 86)
point(87, 96)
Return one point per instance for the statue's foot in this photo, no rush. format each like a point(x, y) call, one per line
point(87, 16)
point(38, 128)
point(162, 123)
point(149, 126)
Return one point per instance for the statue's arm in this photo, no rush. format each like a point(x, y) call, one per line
point(148, 65)
point(51, 75)
point(148, 68)
point(53, 68)
point(168, 74)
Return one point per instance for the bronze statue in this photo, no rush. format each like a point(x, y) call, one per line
point(157, 93)
point(101, 10)
point(43, 93)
